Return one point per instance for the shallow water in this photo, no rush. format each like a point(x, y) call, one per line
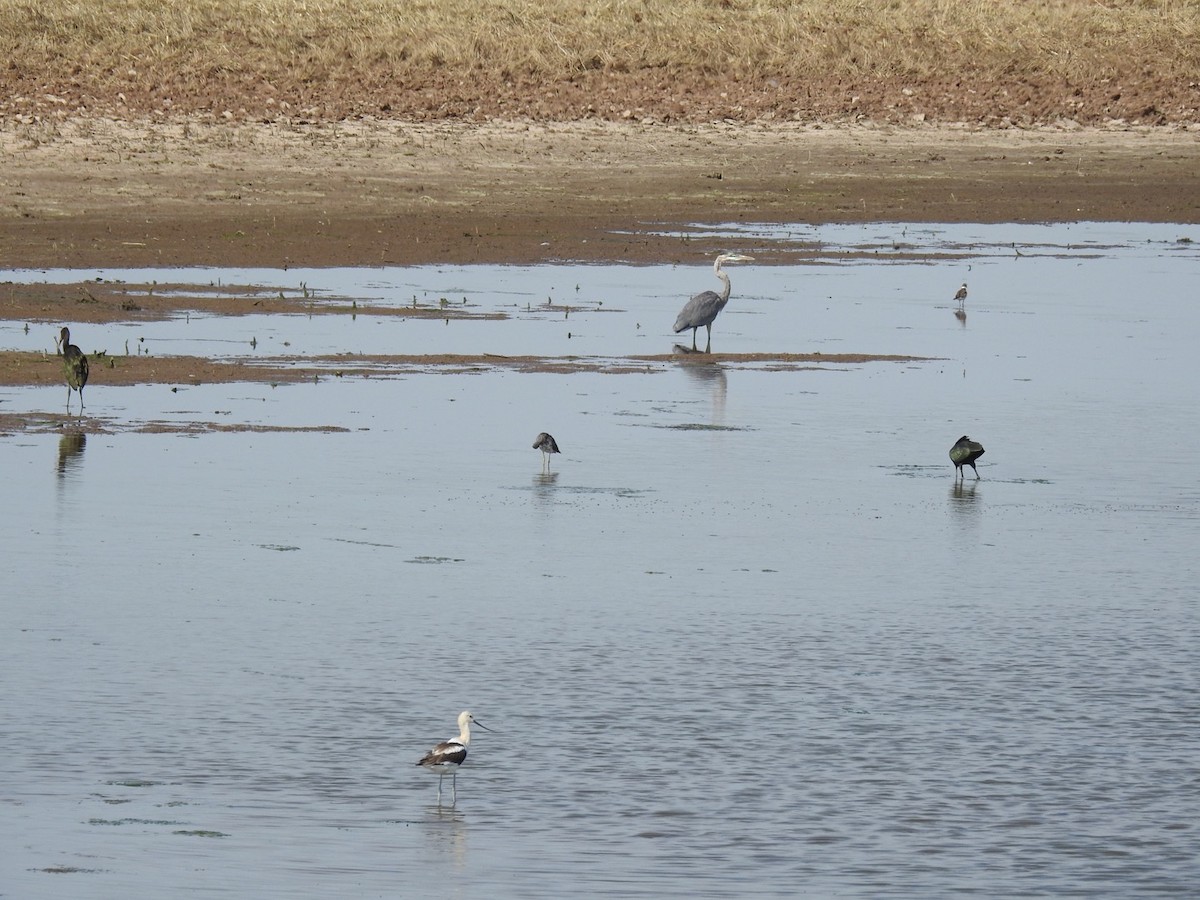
point(747, 638)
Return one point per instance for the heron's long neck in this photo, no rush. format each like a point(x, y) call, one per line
point(725, 291)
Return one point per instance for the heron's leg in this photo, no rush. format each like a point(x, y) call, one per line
point(708, 346)
point(694, 337)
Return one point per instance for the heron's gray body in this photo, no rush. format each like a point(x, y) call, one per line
point(964, 453)
point(703, 309)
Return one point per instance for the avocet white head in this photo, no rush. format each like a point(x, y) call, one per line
point(450, 754)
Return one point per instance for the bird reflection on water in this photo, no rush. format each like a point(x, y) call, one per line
point(964, 491)
point(710, 375)
point(70, 452)
point(544, 484)
point(966, 502)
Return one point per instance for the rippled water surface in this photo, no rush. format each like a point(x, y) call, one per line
point(747, 637)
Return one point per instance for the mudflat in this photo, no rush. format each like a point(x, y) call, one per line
point(106, 192)
point(94, 192)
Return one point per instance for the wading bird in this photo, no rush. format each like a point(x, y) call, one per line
point(545, 442)
point(961, 296)
point(704, 307)
point(75, 367)
point(449, 755)
point(964, 453)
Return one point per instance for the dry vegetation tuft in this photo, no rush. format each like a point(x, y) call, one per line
point(682, 60)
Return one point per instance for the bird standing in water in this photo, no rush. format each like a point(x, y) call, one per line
point(964, 453)
point(705, 306)
point(75, 367)
point(449, 755)
point(546, 443)
point(961, 296)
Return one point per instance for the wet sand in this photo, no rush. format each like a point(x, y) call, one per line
point(106, 193)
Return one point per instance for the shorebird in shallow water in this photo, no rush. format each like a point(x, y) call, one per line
point(546, 443)
point(961, 296)
point(704, 307)
point(75, 367)
point(449, 755)
point(964, 453)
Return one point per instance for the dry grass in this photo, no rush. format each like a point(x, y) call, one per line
point(313, 51)
point(332, 38)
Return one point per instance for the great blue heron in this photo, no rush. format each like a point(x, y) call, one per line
point(546, 443)
point(964, 453)
point(449, 755)
point(75, 367)
point(704, 307)
point(961, 296)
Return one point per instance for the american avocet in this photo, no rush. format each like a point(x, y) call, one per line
point(964, 453)
point(546, 443)
point(961, 296)
point(75, 367)
point(705, 306)
point(449, 755)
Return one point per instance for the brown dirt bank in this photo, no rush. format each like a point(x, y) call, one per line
point(89, 192)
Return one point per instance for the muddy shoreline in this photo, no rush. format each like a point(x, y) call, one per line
point(179, 373)
point(33, 369)
point(103, 194)
point(106, 193)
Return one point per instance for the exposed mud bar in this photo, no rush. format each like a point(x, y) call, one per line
point(98, 301)
point(37, 369)
point(100, 192)
point(178, 373)
point(75, 428)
